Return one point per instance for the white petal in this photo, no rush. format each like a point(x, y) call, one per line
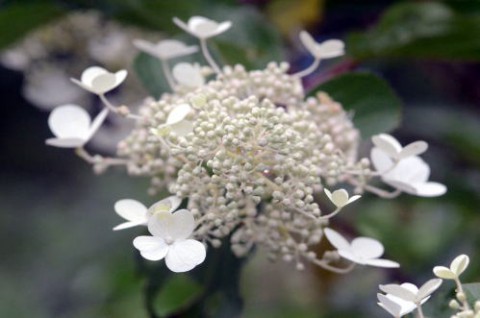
point(181, 129)
point(459, 264)
point(349, 255)
point(380, 160)
point(185, 255)
point(414, 149)
point(176, 226)
point(406, 306)
point(128, 225)
point(147, 47)
point(188, 75)
point(181, 24)
point(367, 248)
point(429, 189)
point(131, 210)
point(387, 144)
point(409, 170)
point(411, 287)
point(402, 186)
point(97, 122)
point(428, 288)
point(389, 305)
point(308, 41)
point(169, 49)
point(90, 74)
point(354, 198)
point(443, 272)
point(196, 21)
point(104, 83)
point(340, 197)
point(224, 26)
point(328, 193)
point(69, 121)
point(65, 142)
point(178, 114)
point(330, 49)
point(398, 291)
point(120, 76)
point(168, 205)
point(151, 248)
point(380, 262)
point(337, 240)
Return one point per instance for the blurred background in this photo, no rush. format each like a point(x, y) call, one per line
point(59, 257)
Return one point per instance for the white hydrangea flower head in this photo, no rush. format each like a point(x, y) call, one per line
point(395, 306)
point(325, 50)
point(165, 49)
point(99, 81)
point(170, 240)
point(409, 175)
point(392, 148)
point(203, 28)
point(362, 250)
point(340, 197)
point(72, 126)
point(411, 293)
point(189, 75)
point(457, 267)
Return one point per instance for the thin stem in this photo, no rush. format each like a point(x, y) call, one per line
point(168, 74)
point(208, 57)
point(82, 153)
point(420, 311)
point(309, 70)
point(464, 301)
point(380, 192)
point(334, 269)
point(117, 110)
point(328, 216)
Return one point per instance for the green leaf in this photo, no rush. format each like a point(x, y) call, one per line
point(17, 20)
point(149, 70)
point(374, 105)
point(473, 292)
point(420, 30)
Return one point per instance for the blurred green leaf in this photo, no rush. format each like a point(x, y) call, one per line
point(16, 20)
point(473, 291)
point(177, 292)
point(375, 106)
point(149, 70)
point(420, 30)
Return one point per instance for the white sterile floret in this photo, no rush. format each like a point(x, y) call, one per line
point(410, 292)
point(166, 49)
point(409, 175)
point(391, 147)
point(457, 267)
point(395, 306)
point(137, 214)
point(72, 126)
point(98, 80)
point(176, 122)
point(340, 197)
point(362, 250)
point(203, 28)
point(325, 50)
point(189, 75)
point(171, 241)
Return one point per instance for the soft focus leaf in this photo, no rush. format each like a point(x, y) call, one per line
point(374, 105)
point(420, 30)
point(149, 70)
point(18, 19)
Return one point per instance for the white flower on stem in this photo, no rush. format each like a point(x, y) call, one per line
point(72, 126)
point(98, 80)
point(340, 197)
point(166, 49)
point(176, 122)
point(189, 75)
point(362, 250)
point(137, 214)
point(395, 306)
point(325, 50)
point(411, 293)
point(170, 240)
point(392, 148)
point(457, 267)
point(409, 175)
point(203, 28)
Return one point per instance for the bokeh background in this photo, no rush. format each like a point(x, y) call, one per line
point(59, 257)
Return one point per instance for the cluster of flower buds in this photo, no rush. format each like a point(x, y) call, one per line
point(247, 153)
